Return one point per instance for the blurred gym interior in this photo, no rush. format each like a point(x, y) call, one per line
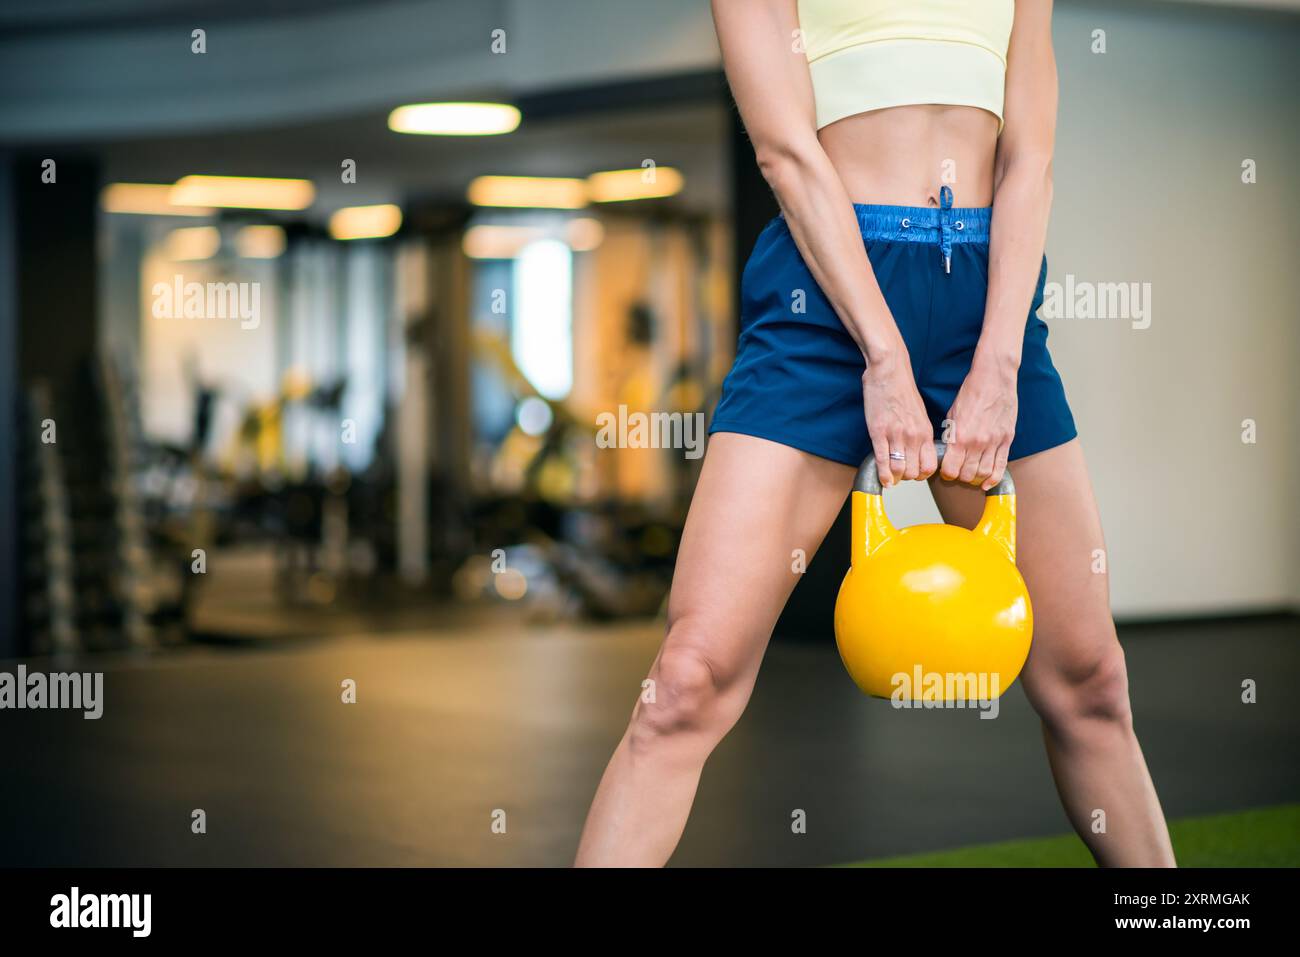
point(386, 473)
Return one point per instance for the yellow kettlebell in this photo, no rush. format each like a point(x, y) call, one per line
point(933, 612)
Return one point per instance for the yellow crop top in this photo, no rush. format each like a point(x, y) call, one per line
point(871, 54)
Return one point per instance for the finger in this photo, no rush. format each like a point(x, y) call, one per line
point(929, 461)
point(987, 461)
point(970, 465)
point(881, 448)
point(999, 465)
point(953, 459)
point(912, 464)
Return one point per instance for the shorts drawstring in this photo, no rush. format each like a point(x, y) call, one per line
point(945, 227)
point(945, 233)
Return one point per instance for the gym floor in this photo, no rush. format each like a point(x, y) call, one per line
point(451, 726)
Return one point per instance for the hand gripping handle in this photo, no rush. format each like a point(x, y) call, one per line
point(868, 479)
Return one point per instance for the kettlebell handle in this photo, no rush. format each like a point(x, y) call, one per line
point(868, 479)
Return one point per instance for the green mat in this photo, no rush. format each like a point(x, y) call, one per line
point(1267, 837)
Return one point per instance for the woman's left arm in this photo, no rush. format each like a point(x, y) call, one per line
point(984, 413)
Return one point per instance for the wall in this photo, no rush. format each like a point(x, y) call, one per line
point(1149, 188)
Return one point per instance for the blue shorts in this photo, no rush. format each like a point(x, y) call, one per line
point(797, 378)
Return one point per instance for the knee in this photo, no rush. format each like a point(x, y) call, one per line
point(1085, 690)
point(687, 695)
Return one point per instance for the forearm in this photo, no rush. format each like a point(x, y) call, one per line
point(1022, 203)
point(820, 216)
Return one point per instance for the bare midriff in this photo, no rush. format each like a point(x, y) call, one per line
point(903, 155)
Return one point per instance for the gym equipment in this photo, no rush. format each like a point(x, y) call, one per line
point(87, 571)
point(131, 563)
point(49, 614)
point(933, 613)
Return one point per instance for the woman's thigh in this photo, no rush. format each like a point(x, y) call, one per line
point(759, 513)
point(1061, 554)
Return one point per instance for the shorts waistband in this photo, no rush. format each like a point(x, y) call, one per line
point(943, 226)
point(924, 224)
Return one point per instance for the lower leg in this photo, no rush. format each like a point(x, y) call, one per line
point(646, 792)
point(1098, 766)
point(759, 512)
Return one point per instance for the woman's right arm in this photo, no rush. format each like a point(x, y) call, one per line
point(769, 79)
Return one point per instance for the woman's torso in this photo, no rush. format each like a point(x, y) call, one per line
point(943, 61)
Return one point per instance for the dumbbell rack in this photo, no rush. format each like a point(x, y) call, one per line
point(86, 559)
point(50, 606)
